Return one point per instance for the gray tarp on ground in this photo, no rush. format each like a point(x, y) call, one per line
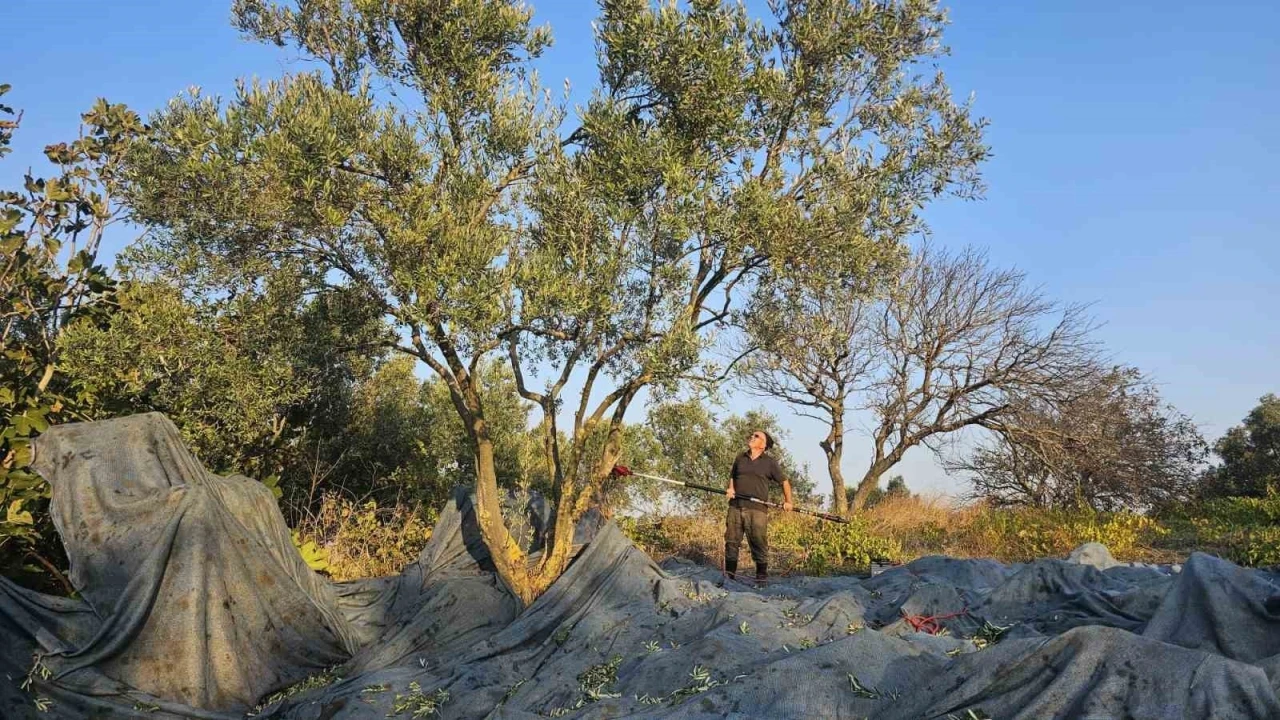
point(195, 604)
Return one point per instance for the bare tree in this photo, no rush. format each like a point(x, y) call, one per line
point(815, 350)
point(956, 340)
point(1114, 444)
point(946, 347)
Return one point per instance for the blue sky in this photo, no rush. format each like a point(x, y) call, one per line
point(1136, 147)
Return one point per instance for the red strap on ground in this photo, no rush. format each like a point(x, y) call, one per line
point(930, 623)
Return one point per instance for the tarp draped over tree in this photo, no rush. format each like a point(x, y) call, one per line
point(194, 603)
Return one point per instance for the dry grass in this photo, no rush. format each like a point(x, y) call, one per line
point(798, 544)
point(695, 537)
point(905, 528)
point(367, 541)
point(938, 526)
point(897, 513)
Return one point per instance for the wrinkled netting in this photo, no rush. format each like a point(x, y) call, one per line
point(194, 603)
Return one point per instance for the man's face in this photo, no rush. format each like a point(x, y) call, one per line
point(757, 441)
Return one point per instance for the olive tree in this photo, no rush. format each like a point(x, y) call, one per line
point(719, 156)
point(424, 167)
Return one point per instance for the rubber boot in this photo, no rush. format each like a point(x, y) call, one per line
point(731, 569)
point(762, 575)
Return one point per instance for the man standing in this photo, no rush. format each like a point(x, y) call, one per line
point(750, 477)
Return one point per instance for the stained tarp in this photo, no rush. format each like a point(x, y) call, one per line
point(616, 636)
point(191, 591)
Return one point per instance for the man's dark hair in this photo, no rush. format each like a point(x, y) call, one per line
point(768, 440)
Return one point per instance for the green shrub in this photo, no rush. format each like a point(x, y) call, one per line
point(820, 548)
point(350, 541)
point(1244, 530)
point(1022, 534)
point(834, 547)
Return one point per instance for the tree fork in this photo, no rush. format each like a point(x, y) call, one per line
point(872, 478)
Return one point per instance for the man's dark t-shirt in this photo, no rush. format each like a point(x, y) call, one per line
point(751, 478)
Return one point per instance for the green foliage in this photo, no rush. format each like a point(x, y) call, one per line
point(860, 690)
point(596, 681)
point(517, 461)
point(403, 441)
point(316, 557)
point(349, 540)
point(50, 281)
point(828, 547)
point(1245, 530)
point(410, 208)
point(648, 532)
point(897, 488)
point(259, 382)
point(1027, 533)
point(311, 682)
point(8, 125)
point(692, 444)
point(701, 680)
point(1250, 454)
point(561, 636)
point(989, 634)
point(224, 375)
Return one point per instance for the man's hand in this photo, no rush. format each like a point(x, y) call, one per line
point(729, 493)
point(786, 505)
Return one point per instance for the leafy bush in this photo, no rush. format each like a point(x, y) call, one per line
point(1244, 530)
point(347, 540)
point(50, 280)
point(822, 547)
point(1255, 546)
point(1019, 535)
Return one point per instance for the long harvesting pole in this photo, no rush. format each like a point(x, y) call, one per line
point(624, 471)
